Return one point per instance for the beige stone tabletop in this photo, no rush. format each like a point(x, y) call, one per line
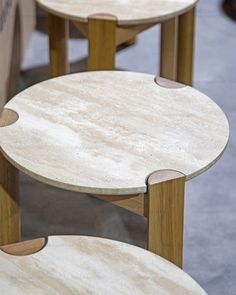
point(128, 12)
point(95, 266)
point(105, 132)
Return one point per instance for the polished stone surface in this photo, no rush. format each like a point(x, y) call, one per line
point(128, 12)
point(105, 132)
point(95, 266)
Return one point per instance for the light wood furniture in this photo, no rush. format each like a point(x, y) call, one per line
point(124, 137)
point(112, 23)
point(9, 190)
point(88, 265)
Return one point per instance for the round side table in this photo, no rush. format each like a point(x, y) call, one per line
point(112, 23)
point(129, 138)
point(88, 265)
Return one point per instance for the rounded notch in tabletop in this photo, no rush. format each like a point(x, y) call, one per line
point(25, 248)
point(8, 117)
point(163, 82)
point(160, 176)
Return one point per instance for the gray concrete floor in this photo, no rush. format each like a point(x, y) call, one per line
point(210, 218)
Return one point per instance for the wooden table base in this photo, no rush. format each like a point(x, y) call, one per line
point(163, 205)
point(186, 47)
point(58, 30)
point(102, 42)
point(177, 48)
point(169, 49)
point(166, 215)
point(9, 191)
point(9, 203)
point(104, 35)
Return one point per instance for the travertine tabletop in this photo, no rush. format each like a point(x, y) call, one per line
point(105, 132)
point(95, 266)
point(128, 12)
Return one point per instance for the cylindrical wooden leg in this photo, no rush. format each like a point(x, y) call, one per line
point(169, 47)
point(58, 31)
point(102, 42)
point(9, 203)
point(166, 215)
point(186, 48)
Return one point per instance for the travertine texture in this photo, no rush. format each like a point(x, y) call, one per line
point(128, 12)
point(105, 132)
point(86, 265)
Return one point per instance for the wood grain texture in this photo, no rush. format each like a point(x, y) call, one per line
point(130, 12)
point(166, 215)
point(9, 185)
point(9, 203)
point(58, 30)
point(127, 35)
point(169, 49)
point(102, 42)
point(82, 27)
point(186, 47)
point(87, 265)
point(24, 248)
point(124, 35)
point(133, 203)
point(113, 130)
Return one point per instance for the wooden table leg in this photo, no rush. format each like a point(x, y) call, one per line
point(58, 31)
point(102, 42)
point(9, 203)
point(186, 47)
point(169, 47)
point(166, 215)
